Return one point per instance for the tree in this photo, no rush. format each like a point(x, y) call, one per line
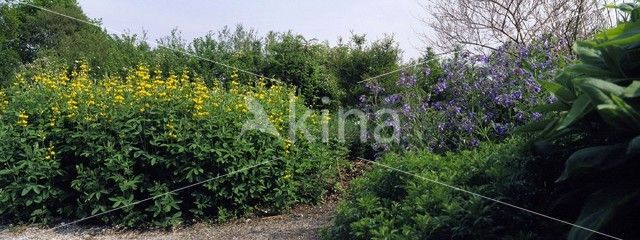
point(486, 24)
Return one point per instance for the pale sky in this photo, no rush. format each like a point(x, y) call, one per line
point(323, 20)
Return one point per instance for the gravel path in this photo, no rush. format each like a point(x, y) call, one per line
point(304, 222)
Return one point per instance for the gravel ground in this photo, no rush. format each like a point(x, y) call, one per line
point(304, 222)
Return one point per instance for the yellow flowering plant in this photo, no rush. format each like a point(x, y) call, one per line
point(73, 146)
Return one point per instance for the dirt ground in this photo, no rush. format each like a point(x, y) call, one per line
point(304, 222)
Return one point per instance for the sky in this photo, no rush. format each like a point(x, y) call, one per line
point(323, 20)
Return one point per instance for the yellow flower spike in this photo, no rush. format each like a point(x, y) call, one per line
point(216, 84)
point(184, 78)
point(142, 73)
point(72, 104)
point(172, 82)
point(3, 101)
point(287, 176)
point(287, 145)
point(234, 75)
point(84, 69)
point(23, 119)
point(20, 79)
point(118, 99)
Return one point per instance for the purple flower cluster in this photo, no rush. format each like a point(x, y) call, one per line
point(407, 80)
point(473, 97)
point(363, 99)
point(440, 87)
point(392, 99)
point(374, 87)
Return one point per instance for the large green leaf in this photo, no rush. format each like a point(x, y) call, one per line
point(552, 107)
point(592, 159)
point(565, 79)
point(633, 150)
point(589, 70)
point(559, 91)
point(623, 34)
point(580, 107)
point(595, 94)
point(613, 116)
point(589, 54)
point(626, 7)
point(612, 56)
point(605, 86)
point(633, 90)
point(628, 110)
point(620, 115)
point(598, 210)
point(535, 126)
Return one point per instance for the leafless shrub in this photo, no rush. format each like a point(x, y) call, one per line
point(486, 24)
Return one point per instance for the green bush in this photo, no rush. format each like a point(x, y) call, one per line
point(72, 147)
point(302, 63)
point(388, 204)
point(599, 111)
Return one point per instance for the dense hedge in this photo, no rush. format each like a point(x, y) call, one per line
point(71, 147)
point(387, 204)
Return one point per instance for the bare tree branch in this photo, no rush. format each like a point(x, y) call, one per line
point(487, 24)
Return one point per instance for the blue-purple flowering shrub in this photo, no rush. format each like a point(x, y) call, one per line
point(456, 103)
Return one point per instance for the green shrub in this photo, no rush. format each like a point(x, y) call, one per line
point(388, 204)
point(599, 110)
point(72, 147)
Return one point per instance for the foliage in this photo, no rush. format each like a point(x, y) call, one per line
point(388, 204)
point(355, 61)
point(599, 103)
point(454, 104)
point(73, 146)
point(302, 63)
point(316, 69)
point(28, 34)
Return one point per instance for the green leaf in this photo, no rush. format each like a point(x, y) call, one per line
point(612, 115)
point(559, 91)
point(535, 126)
point(629, 111)
point(634, 147)
point(626, 7)
point(552, 107)
point(588, 54)
point(620, 115)
point(596, 95)
point(633, 90)
point(600, 207)
point(605, 86)
point(613, 58)
point(589, 70)
point(580, 107)
point(25, 191)
point(623, 34)
point(591, 159)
